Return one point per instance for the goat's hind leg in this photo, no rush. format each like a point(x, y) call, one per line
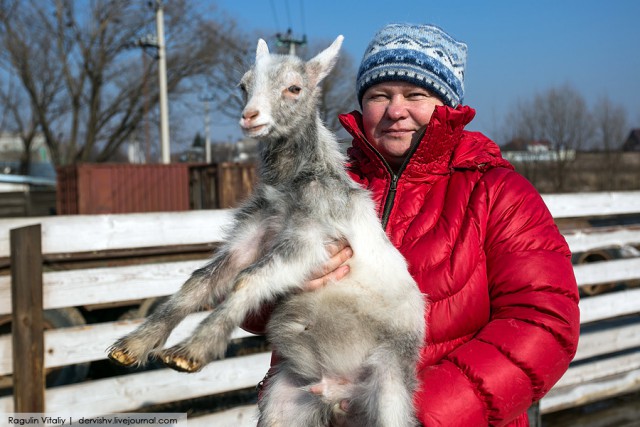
point(383, 395)
point(286, 403)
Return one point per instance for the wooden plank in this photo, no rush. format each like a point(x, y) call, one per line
point(81, 344)
point(609, 340)
point(624, 413)
point(95, 286)
point(607, 271)
point(110, 284)
point(121, 231)
point(132, 392)
point(118, 231)
point(607, 306)
point(590, 392)
point(27, 319)
point(241, 416)
point(88, 343)
point(592, 204)
point(588, 239)
point(609, 367)
point(595, 381)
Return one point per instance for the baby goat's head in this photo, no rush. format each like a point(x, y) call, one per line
point(282, 91)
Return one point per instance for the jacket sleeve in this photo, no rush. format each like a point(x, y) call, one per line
point(533, 330)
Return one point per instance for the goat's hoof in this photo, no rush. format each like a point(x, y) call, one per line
point(181, 364)
point(121, 357)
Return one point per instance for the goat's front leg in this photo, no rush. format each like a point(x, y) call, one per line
point(136, 347)
point(206, 285)
point(284, 269)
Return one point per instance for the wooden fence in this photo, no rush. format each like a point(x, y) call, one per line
point(34, 202)
point(607, 363)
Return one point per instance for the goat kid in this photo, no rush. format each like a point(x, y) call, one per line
point(358, 339)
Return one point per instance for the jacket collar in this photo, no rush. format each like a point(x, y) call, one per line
point(443, 148)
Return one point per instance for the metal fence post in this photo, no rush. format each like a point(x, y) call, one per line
point(27, 319)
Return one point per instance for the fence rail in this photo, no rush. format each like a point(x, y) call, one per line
point(607, 362)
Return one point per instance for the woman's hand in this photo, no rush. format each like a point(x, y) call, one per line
point(334, 269)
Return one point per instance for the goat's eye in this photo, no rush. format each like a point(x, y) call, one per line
point(294, 89)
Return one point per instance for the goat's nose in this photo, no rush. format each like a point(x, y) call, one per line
point(250, 114)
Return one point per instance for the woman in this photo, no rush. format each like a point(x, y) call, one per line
point(503, 322)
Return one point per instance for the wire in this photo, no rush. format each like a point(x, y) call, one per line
point(304, 26)
point(286, 3)
point(275, 15)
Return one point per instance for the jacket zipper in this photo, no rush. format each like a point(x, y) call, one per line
point(393, 185)
point(391, 196)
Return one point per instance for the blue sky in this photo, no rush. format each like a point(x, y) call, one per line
point(516, 48)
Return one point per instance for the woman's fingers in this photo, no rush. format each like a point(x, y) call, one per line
point(332, 270)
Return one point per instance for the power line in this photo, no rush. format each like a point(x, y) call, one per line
point(304, 26)
point(286, 5)
point(275, 15)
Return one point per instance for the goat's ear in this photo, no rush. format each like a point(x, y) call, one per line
point(320, 65)
point(262, 49)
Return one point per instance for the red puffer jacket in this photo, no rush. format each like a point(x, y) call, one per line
point(503, 323)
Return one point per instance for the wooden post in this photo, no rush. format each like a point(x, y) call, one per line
point(235, 183)
point(27, 319)
point(226, 193)
point(535, 418)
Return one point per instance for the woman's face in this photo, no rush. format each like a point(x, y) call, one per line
point(393, 113)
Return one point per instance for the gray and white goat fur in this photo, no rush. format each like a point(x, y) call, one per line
point(358, 339)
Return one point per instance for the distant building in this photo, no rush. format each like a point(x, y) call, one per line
point(633, 141)
point(244, 151)
point(11, 149)
point(248, 151)
point(520, 150)
point(520, 144)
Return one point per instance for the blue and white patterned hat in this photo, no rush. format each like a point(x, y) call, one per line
point(420, 54)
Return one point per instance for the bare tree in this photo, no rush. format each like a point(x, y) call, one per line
point(77, 67)
point(519, 131)
point(561, 117)
point(610, 122)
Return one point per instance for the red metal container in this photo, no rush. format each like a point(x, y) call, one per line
point(102, 188)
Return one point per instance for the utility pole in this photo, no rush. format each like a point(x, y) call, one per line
point(288, 40)
point(207, 122)
point(158, 45)
point(162, 80)
point(207, 138)
point(145, 94)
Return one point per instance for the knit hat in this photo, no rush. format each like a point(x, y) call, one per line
point(420, 54)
